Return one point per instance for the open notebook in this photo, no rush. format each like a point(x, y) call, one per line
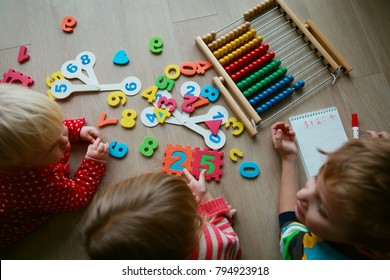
point(321, 129)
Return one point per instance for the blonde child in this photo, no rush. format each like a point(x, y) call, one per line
point(343, 212)
point(34, 170)
point(159, 216)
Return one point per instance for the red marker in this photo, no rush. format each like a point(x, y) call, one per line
point(355, 126)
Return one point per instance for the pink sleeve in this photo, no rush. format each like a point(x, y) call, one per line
point(219, 240)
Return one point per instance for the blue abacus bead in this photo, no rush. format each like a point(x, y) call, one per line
point(298, 85)
point(274, 88)
point(252, 101)
point(273, 101)
point(269, 104)
point(278, 85)
point(277, 99)
point(259, 110)
point(264, 107)
point(290, 78)
point(268, 92)
point(289, 91)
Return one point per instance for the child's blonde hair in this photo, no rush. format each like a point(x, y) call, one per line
point(30, 123)
point(358, 177)
point(150, 216)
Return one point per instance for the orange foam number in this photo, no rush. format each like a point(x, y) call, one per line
point(68, 23)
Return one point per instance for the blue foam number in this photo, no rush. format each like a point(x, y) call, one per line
point(117, 150)
point(249, 169)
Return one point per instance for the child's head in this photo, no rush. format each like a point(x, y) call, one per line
point(30, 125)
point(349, 200)
point(150, 216)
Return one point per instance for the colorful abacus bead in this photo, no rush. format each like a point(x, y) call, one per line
point(268, 105)
point(253, 66)
point(271, 90)
point(298, 85)
point(246, 59)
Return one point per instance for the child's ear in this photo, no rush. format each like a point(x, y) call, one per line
point(373, 254)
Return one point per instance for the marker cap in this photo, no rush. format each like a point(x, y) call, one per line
point(354, 120)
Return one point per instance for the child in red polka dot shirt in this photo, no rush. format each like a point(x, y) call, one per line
point(34, 170)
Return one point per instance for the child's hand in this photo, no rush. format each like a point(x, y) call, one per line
point(375, 134)
point(89, 133)
point(98, 150)
point(283, 139)
point(198, 188)
point(232, 212)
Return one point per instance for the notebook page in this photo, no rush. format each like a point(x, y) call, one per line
point(321, 129)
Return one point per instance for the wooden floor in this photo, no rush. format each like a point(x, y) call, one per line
point(357, 28)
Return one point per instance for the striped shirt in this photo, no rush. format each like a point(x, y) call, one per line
point(218, 241)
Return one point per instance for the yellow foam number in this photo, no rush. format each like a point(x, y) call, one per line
point(128, 118)
point(150, 93)
point(172, 68)
point(161, 114)
point(234, 153)
point(49, 82)
point(238, 126)
point(116, 97)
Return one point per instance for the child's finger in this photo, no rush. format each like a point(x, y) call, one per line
point(188, 175)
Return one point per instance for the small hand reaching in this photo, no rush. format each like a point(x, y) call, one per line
point(97, 150)
point(89, 133)
point(283, 140)
point(198, 188)
point(375, 134)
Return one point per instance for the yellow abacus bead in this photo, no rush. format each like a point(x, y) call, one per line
point(253, 32)
point(216, 53)
point(234, 45)
point(245, 38)
point(224, 49)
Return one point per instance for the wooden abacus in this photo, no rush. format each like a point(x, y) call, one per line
point(247, 74)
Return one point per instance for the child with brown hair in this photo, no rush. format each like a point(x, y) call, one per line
point(343, 212)
point(34, 170)
point(159, 216)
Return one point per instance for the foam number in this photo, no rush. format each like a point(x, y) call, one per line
point(150, 93)
point(249, 169)
point(161, 114)
point(103, 121)
point(188, 68)
point(68, 23)
point(164, 84)
point(115, 98)
point(234, 153)
point(118, 150)
point(128, 118)
point(238, 126)
point(169, 103)
point(148, 146)
point(172, 68)
point(202, 66)
point(156, 45)
point(211, 93)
